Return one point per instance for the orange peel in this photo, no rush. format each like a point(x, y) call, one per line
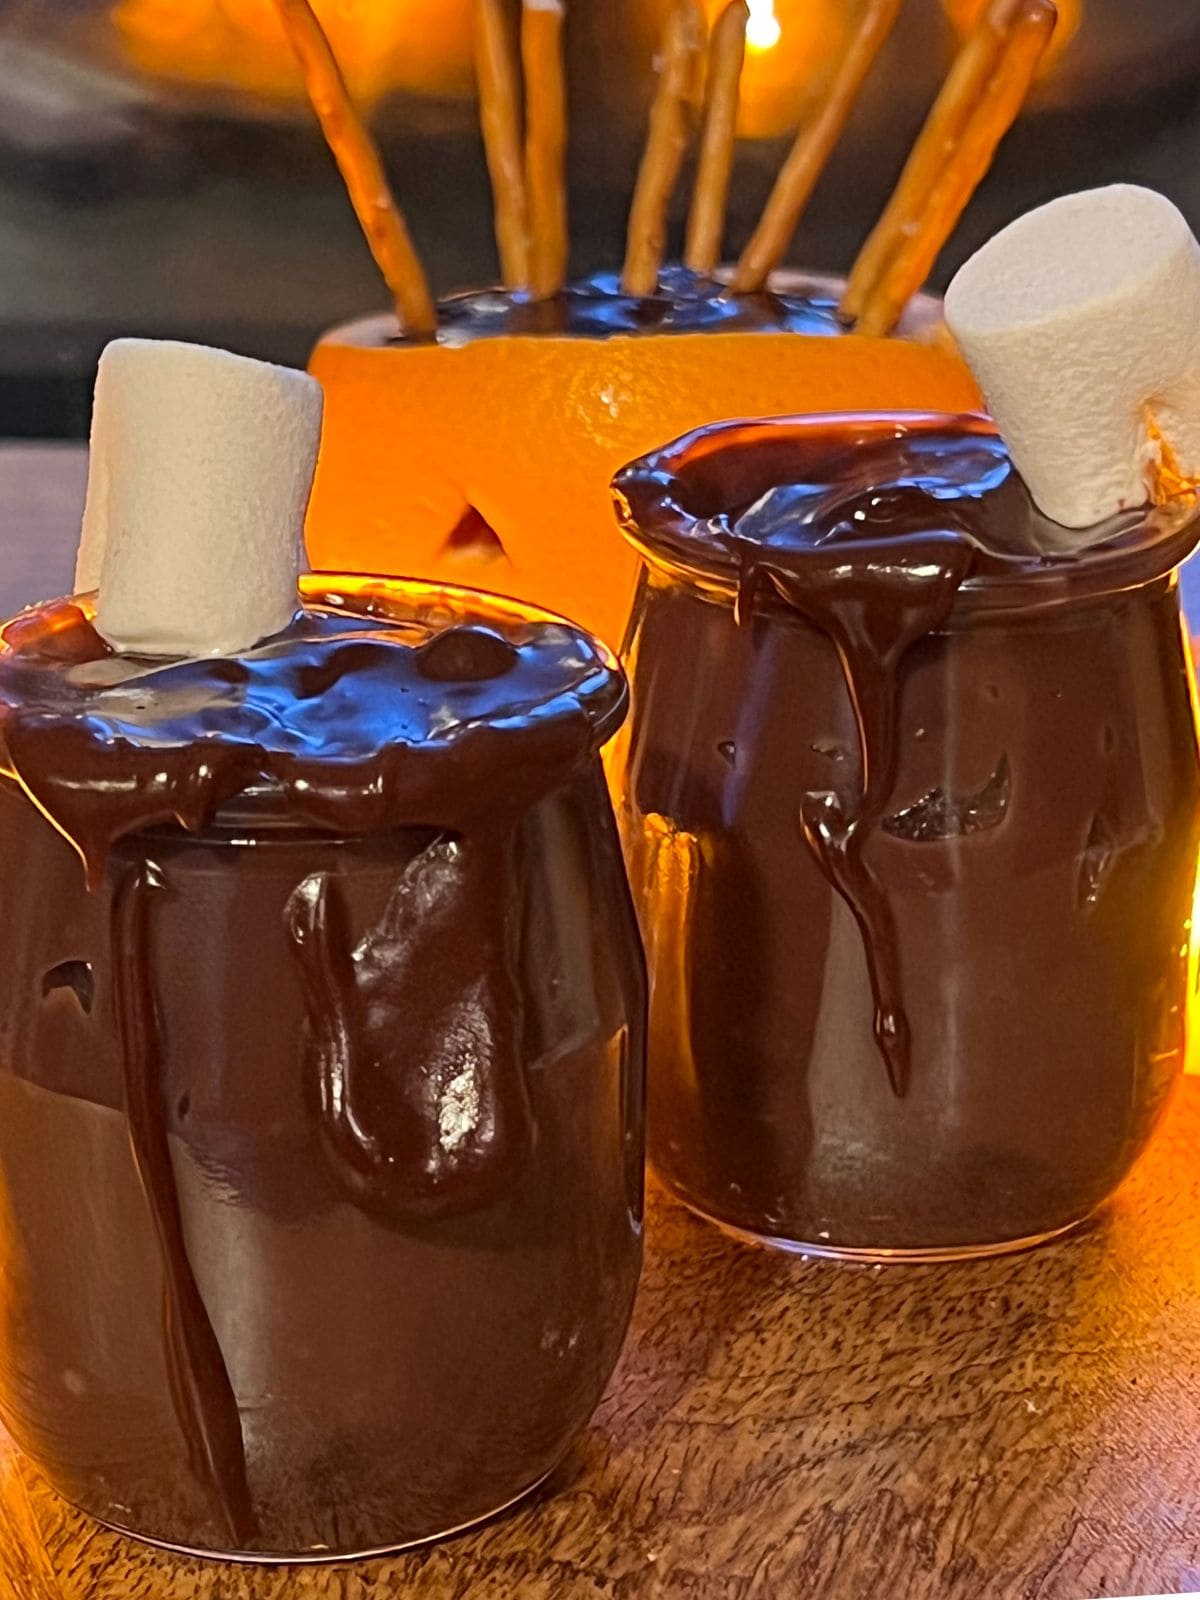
point(488, 463)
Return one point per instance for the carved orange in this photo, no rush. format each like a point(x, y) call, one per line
point(489, 463)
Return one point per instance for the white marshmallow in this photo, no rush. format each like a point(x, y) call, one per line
point(1081, 321)
point(200, 471)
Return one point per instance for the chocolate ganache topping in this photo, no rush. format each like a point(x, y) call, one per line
point(875, 530)
point(355, 719)
point(684, 302)
point(380, 708)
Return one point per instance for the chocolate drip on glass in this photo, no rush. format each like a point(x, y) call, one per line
point(873, 607)
point(432, 1119)
point(204, 1400)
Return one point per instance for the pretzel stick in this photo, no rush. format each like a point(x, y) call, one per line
point(811, 151)
point(1003, 98)
point(357, 157)
point(496, 71)
point(706, 221)
point(545, 144)
point(961, 93)
point(666, 147)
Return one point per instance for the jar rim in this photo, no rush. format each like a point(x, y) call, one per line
point(588, 699)
point(672, 514)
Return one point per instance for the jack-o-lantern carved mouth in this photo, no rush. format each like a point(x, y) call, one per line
point(473, 538)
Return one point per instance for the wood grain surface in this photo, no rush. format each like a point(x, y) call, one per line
point(1021, 1429)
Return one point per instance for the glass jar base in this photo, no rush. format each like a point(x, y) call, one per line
point(827, 1250)
point(315, 1556)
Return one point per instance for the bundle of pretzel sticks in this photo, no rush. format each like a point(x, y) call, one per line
point(697, 93)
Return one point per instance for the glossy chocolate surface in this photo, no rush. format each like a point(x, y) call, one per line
point(352, 720)
point(685, 302)
point(344, 1081)
point(597, 307)
point(871, 685)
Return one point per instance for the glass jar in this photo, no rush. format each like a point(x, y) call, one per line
point(1034, 855)
point(277, 1283)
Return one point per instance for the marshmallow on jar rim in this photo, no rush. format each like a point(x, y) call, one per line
point(1081, 321)
point(518, 435)
point(199, 474)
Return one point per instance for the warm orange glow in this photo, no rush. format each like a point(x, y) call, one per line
point(489, 464)
point(1168, 481)
point(417, 45)
point(664, 863)
point(964, 14)
point(1192, 1055)
point(790, 44)
point(1192, 1020)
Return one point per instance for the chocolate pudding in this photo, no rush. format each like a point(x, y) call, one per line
point(320, 1109)
point(684, 302)
point(910, 806)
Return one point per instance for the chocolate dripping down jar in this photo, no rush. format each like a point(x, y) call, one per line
point(910, 805)
point(321, 1124)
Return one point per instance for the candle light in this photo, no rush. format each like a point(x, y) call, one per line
point(789, 46)
point(763, 31)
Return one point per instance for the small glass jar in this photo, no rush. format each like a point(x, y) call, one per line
point(284, 1296)
point(1036, 855)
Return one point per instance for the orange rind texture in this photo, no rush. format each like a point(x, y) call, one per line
point(528, 431)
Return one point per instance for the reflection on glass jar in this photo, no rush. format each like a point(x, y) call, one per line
point(911, 811)
point(320, 1153)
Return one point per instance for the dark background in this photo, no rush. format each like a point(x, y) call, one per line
point(130, 203)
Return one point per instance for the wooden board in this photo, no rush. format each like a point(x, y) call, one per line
point(1021, 1429)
